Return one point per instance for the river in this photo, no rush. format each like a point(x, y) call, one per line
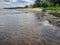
point(28, 28)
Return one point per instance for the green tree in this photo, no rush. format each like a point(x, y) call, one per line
point(46, 3)
point(41, 3)
point(26, 6)
point(38, 3)
point(55, 2)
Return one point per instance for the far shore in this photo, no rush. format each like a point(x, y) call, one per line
point(28, 9)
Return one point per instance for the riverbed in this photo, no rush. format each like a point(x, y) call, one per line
point(28, 28)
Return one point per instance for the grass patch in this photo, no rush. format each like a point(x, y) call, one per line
point(57, 8)
point(52, 8)
point(55, 14)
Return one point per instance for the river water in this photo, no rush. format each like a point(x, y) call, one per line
point(28, 28)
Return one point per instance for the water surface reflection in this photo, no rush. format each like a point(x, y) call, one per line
point(28, 29)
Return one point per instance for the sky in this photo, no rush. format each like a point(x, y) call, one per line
point(15, 3)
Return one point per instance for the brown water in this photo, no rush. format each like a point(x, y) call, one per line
point(28, 28)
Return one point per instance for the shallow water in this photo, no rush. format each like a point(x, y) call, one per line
point(28, 28)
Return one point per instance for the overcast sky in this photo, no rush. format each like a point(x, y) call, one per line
point(15, 3)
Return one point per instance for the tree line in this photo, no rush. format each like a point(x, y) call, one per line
point(46, 3)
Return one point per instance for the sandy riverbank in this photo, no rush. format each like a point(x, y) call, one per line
point(28, 9)
point(31, 9)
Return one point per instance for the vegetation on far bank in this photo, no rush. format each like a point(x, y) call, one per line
point(14, 8)
point(46, 4)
